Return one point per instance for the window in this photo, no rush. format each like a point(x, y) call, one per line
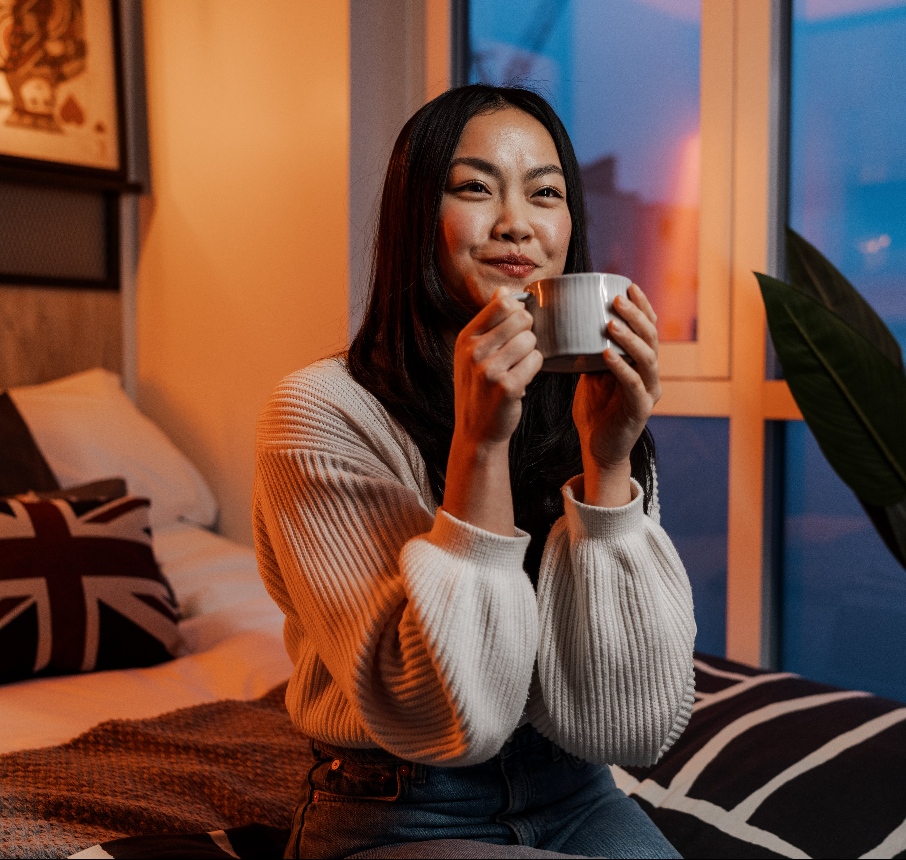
point(843, 594)
point(692, 457)
point(630, 82)
point(725, 430)
point(626, 78)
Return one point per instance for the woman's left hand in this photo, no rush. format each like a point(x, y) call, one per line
point(611, 409)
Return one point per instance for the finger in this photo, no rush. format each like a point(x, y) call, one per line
point(509, 355)
point(493, 313)
point(638, 400)
point(637, 294)
point(486, 344)
point(641, 352)
point(638, 319)
point(524, 371)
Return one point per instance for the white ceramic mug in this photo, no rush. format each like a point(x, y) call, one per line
point(570, 315)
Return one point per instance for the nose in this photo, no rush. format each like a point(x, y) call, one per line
point(513, 223)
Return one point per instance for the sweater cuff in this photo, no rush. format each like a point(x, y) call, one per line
point(481, 547)
point(591, 521)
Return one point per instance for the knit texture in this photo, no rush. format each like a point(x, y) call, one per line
point(413, 631)
point(197, 769)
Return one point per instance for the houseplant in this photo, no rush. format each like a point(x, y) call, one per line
point(845, 371)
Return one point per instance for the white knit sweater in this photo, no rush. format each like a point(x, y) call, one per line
point(419, 633)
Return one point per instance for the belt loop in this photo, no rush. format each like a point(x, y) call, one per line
point(419, 773)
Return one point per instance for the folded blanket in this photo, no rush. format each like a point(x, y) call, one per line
point(221, 765)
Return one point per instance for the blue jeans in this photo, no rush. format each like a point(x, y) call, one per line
point(531, 793)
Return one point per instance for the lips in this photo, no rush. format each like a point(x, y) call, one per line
point(513, 265)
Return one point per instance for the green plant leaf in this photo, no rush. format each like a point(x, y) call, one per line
point(812, 273)
point(851, 394)
point(890, 523)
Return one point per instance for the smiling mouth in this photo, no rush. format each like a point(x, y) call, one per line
point(513, 265)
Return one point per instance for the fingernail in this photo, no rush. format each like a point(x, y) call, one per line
point(616, 325)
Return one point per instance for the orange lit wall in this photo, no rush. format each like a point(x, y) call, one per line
point(242, 274)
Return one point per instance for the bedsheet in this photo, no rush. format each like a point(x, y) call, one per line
point(233, 634)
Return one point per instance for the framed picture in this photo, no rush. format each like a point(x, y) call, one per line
point(61, 93)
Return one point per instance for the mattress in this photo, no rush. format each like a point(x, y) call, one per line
point(233, 649)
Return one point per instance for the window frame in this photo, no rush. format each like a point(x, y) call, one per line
point(744, 123)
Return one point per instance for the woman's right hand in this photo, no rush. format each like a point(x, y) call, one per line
point(494, 361)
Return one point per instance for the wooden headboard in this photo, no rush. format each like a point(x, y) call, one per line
point(50, 332)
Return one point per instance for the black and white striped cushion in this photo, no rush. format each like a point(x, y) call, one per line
point(773, 765)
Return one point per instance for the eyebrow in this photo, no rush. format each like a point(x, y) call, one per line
point(493, 170)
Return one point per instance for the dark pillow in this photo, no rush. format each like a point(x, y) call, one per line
point(80, 589)
point(22, 465)
point(105, 490)
point(774, 765)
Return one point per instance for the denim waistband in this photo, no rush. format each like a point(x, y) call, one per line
point(523, 738)
point(366, 755)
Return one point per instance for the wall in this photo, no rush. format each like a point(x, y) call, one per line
point(242, 271)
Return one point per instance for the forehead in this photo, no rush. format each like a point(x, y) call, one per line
point(507, 136)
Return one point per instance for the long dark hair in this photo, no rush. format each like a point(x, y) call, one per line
point(401, 353)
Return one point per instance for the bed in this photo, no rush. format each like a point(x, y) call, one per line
point(195, 756)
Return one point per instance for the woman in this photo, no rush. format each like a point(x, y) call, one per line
point(480, 604)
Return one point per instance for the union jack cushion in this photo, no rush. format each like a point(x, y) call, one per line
point(80, 589)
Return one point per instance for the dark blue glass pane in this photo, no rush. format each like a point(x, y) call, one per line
point(692, 457)
point(844, 595)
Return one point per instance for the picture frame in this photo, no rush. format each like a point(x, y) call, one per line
point(62, 93)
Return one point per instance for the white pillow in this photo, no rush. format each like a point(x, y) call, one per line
point(88, 429)
point(208, 572)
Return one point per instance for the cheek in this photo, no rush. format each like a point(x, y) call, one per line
point(451, 245)
point(458, 230)
point(557, 232)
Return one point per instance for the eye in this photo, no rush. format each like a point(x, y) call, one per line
point(473, 185)
point(549, 192)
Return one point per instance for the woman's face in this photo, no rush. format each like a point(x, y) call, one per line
point(503, 218)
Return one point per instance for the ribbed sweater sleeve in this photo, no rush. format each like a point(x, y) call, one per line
point(614, 682)
point(409, 629)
